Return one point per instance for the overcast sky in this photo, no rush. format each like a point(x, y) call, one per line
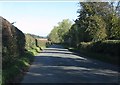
point(38, 17)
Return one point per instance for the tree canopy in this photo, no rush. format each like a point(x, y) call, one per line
point(96, 21)
point(59, 33)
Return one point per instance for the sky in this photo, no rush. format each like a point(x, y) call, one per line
point(38, 17)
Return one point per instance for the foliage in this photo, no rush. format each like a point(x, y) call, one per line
point(13, 42)
point(59, 33)
point(30, 42)
point(18, 50)
point(73, 35)
point(63, 28)
point(110, 47)
point(16, 68)
point(53, 36)
point(107, 50)
point(0, 76)
point(92, 22)
point(113, 26)
point(96, 30)
point(96, 21)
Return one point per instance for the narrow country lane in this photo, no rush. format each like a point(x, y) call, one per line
point(58, 65)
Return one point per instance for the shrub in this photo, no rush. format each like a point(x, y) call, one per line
point(110, 47)
point(18, 50)
point(85, 46)
point(107, 50)
point(37, 49)
point(13, 43)
point(30, 42)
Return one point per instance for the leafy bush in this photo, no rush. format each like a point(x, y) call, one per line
point(30, 42)
point(11, 72)
point(107, 50)
point(85, 46)
point(13, 43)
point(110, 47)
point(37, 49)
point(18, 50)
point(48, 44)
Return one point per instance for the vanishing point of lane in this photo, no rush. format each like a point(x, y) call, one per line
point(58, 65)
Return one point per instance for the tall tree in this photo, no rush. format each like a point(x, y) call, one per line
point(59, 33)
point(53, 36)
point(91, 20)
point(64, 27)
point(112, 21)
point(73, 35)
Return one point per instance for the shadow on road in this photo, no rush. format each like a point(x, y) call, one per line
point(58, 65)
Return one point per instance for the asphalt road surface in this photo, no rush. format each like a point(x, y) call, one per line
point(58, 65)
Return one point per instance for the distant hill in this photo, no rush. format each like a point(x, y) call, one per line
point(36, 36)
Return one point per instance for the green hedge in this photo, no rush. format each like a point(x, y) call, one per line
point(30, 42)
point(107, 51)
point(13, 43)
point(85, 46)
point(17, 68)
point(110, 47)
point(18, 50)
point(13, 50)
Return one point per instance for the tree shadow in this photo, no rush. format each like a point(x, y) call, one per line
point(51, 69)
point(59, 66)
point(93, 62)
point(78, 62)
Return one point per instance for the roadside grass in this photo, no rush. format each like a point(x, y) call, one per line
point(43, 47)
point(99, 56)
point(106, 50)
point(15, 72)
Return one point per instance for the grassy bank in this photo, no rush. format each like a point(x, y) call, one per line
point(18, 50)
point(106, 51)
point(17, 69)
point(102, 57)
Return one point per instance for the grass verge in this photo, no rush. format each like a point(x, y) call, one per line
point(99, 56)
point(15, 72)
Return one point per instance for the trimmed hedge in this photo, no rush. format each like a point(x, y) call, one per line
point(13, 50)
point(18, 50)
point(13, 43)
point(110, 47)
point(107, 50)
